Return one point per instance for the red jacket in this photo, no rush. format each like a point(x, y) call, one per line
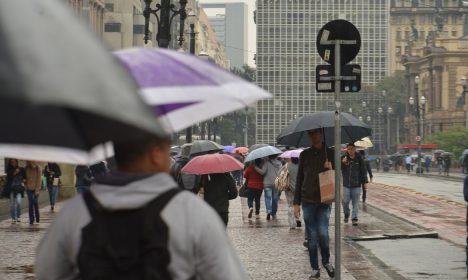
point(254, 179)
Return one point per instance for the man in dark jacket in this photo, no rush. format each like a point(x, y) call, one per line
point(218, 189)
point(354, 174)
point(369, 171)
point(465, 194)
point(313, 161)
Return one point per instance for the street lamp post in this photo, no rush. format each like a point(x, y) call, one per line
point(419, 111)
point(463, 81)
point(164, 20)
point(388, 112)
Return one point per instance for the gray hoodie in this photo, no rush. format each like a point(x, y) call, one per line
point(269, 170)
point(198, 243)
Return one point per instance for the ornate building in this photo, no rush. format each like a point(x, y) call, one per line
point(92, 11)
point(429, 40)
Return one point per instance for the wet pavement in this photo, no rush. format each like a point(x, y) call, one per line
point(430, 211)
point(270, 250)
point(437, 186)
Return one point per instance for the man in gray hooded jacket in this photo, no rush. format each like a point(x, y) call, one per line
point(270, 170)
point(197, 242)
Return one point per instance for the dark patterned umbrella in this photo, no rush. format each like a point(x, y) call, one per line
point(295, 134)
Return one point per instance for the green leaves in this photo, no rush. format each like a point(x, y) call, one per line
point(453, 140)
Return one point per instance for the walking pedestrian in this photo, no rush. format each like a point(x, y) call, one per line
point(292, 167)
point(447, 164)
point(161, 230)
point(218, 189)
point(369, 171)
point(312, 161)
point(465, 194)
point(427, 163)
point(52, 173)
point(15, 188)
point(465, 163)
point(269, 170)
point(254, 183)
point(378, 162)
point(408, 162)
point(440, 164)
point(354, 175)
point(33, 174)
point(84, 178)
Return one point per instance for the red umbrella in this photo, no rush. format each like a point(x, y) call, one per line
point(241, 150)
point(212, 163)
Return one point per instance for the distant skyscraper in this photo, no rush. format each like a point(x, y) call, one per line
point(287, 57)
point(231, 30)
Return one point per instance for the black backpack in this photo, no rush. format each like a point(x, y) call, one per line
point(125, 244)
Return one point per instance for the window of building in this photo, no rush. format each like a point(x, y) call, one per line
point(138, 29)
point(109, 7)
point(398, 35)
point(112, 27)
point(454, 33)
point(398, 50)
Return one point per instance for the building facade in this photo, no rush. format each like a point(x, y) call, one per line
point(429, 40)
point(440, 68)
point(413, 23)
point(232, 30)
point(92, 11)
point(287, 57)
point(124, 24)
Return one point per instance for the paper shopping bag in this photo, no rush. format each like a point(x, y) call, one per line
point(327, 186)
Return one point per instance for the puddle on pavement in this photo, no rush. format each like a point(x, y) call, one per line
point(420, 258)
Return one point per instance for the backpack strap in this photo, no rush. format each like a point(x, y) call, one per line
point(91, 203)
point(157, 204)
point(161, 201)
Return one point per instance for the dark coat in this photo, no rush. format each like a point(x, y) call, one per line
point(311, 163)
point(84, 176)
point(354, 172)
point(51, 171)
point(219, 189)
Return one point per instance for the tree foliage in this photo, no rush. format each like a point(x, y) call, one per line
point(396, 96)
point(452, 140)
point(231, 126)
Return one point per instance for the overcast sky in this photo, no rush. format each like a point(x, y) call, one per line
point(251, 26)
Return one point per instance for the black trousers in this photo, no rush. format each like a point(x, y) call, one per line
point(225, 217)
point(364, 193)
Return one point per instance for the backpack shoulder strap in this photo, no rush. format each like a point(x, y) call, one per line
point(91, 203)
point(161, 201)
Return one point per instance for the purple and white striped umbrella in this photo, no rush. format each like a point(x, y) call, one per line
point(291, 153)
point(184, 89)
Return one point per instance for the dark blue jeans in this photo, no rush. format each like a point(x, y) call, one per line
point(33, 207)
point(316, 218)
point(254, 195)
point(53, 192)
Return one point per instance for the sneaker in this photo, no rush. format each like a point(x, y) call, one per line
point(268, 217)
point(298, 224)
point(51, 208)
point(355, 222)
point(18, 221)
point(250, 213)
point(315, 274)
point(330, 270)
point(346, 219)
point(306, 244)
point(13, 222)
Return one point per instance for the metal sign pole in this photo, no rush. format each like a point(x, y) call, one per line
point(337, 161)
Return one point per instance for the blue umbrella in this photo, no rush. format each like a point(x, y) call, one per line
point(263, 152)
point(229, 149)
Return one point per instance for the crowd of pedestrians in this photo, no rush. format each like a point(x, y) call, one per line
point(130, 186)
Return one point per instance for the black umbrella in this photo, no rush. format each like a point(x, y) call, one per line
point(59, 85)
point(200, 147)
point(295, 134)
